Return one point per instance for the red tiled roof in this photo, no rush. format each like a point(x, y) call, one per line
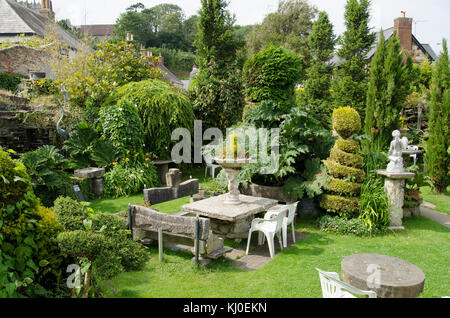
point(97, 29)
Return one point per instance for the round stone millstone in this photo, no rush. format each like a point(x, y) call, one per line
point(388, 276)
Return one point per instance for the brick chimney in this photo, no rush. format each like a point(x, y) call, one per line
point(403, 26)
point(47, 9)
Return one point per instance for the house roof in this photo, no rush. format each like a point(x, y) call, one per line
point(388, 33)
point(15, 19)
point(97, 29)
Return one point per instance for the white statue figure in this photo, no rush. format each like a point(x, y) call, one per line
point(395, 154)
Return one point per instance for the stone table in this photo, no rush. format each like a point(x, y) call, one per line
point(394, 185)
point(230, 221)
point(389, 277)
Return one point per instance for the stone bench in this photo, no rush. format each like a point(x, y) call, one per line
point(186, 233)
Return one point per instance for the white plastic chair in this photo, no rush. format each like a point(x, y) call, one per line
point(333, 287)
point(270, 228)
point(288, 220)
point(209, 165)
point(415, 155)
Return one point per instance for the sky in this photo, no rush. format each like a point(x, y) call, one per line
point(431, 17)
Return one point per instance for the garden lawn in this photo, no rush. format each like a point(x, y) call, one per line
point(441, 201)
point(121, 204)
point(292, 273)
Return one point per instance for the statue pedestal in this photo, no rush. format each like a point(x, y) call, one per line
point(394, 185)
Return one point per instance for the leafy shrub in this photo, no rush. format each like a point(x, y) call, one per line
point(161, 108)
point(218, 98)
point(272, 75)
point(128, 178)
point(44, 86)
point(87, 149)
point(10, 81)
point(46, 168)
point(28, 259)
point(70, 213)
point(345, 226)
point(122, 127)
point(101, 240)
point(99, 72)
point(346, 122)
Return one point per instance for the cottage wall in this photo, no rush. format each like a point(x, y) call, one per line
point(21, 59)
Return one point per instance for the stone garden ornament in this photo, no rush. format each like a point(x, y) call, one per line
point(61, 131)
point(395, 154)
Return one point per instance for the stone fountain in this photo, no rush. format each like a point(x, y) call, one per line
point(395, 179)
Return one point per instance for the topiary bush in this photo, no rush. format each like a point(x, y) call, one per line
point(161, 108)
point(272, 75)
point(344, 165)
point(29, 258)
point(346, 122)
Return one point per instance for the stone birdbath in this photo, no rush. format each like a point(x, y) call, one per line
point(232, 168)
point(395, 179)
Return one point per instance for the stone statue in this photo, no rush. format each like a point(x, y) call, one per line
point(395, 154)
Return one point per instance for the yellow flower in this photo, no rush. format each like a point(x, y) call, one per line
point(127, 160)
point(115, 163)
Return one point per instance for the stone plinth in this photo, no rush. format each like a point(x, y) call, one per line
point(96, 177)
point(394, 185)
point(389, 277)
point(162, 168)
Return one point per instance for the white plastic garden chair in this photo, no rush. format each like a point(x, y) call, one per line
point(288, 220)
point(415, 155)
point(209, 165)
point(333, 287)
point(269, 228)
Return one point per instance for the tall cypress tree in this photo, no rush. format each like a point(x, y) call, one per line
point(217, 91)
point(389, 86)
point(437, 156)
point(317, 87)
point(215, 41)
point(350, 86)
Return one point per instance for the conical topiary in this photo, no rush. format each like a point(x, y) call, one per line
point(344, 165)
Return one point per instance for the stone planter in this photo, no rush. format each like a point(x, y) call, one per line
point(275, 193)
point(35, 76)
point(232, 168)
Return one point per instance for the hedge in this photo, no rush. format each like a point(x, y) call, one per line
point(10, 81)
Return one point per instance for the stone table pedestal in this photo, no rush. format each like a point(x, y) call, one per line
point(394, 185)
point(96, 177)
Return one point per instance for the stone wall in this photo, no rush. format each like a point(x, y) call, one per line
point(23, 138)
point(21, 59)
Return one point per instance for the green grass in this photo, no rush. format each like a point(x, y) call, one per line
point(121, 204)
point(441, 201)
point(292, 273)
